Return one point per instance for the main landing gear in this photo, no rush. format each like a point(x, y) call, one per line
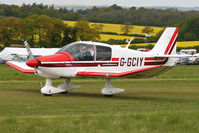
point(109, 90)
point(48, 89)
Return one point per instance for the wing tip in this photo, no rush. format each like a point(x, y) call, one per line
point(20, 68)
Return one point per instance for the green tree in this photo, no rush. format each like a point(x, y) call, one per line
point(10, 30)
point(57, 32)
point(44, 31)
point(126, 27)
point(85, 32)
point(31, 29)
point(111, 14)
point(189, 29)
point(44, 27)
point(98, 27)
point(69, 36)
point(116, 7)
point(147, 30)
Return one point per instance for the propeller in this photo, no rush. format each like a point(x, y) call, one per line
point(30, 56)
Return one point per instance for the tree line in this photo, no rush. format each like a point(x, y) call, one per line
point(112, 14)
point(44, 31)
point(189, 29)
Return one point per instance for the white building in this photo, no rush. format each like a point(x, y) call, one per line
point(0, 55)
point(8, 53)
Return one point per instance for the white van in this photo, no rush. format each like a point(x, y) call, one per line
point(188, 51)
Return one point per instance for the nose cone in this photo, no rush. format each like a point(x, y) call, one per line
point(32, 63)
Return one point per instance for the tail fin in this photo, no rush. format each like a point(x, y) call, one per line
point(166, 45)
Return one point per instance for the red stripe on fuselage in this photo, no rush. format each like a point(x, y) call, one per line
point(154, 58)
point(110, 64)
point(115, 59)
point(156, 63)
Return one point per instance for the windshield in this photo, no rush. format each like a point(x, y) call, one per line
point(88, 52)
point(80, 51)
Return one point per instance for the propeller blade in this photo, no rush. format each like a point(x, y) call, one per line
point(35, 64)
point(30, 55)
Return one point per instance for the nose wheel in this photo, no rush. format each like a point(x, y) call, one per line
point(49, 89)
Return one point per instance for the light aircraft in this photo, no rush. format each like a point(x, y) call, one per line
point(93, 59)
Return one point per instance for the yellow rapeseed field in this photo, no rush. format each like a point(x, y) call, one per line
point(188, 44)
point(136, 30)
point(106, 37)
point(117, 28)
point(138, 44)
point(70, 23)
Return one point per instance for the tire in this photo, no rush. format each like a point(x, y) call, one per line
point(65, 92)
point(47, 94)
point(108, 95)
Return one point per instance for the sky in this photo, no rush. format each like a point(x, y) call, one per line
point(129, 3)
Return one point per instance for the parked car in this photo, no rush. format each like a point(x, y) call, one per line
point(179, 61)
point(185, 61)
point(2, 61)
point(18, 58)
point(188, 51)
point(196, 61)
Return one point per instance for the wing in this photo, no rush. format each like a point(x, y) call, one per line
point(174, 56)
point(21, 66)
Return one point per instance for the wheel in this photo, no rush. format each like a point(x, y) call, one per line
point(65, 92)
point(47, 94)
point(108, 95)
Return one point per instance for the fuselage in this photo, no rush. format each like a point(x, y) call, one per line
point(99, 59)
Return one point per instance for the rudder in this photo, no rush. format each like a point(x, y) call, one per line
point(166, 44)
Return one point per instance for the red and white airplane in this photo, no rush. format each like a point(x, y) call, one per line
point(86, 58)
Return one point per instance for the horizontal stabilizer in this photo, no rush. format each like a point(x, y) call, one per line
point(21, 66)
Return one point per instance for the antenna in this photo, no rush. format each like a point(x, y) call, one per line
point(127, 46)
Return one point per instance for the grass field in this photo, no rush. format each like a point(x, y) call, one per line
point(117, 28)
point(169, 103)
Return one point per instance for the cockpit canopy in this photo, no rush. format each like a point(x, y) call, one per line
point(88, 52)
